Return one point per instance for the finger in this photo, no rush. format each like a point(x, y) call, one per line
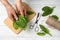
point(20, 10)
point(25, 12)
point(16, 9)
point(11, 17)
point(15, 16)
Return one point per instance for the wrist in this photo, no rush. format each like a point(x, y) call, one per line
point(5, 3)
point(18, 1)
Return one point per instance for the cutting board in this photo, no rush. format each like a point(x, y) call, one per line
point(9, 23)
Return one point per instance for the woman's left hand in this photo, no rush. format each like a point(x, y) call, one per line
point(19, 7)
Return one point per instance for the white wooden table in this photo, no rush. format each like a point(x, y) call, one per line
point(36, 5)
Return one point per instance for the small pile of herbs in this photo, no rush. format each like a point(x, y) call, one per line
point(22, 21)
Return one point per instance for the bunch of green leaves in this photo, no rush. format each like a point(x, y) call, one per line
point(20, 23)
point(54, 16)
point(47, 10)
point(45, 31)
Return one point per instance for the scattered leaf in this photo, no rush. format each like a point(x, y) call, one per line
point(29, 12)
point(45, 29)
point(47, 10)
point(56, 17)
point(40, 33)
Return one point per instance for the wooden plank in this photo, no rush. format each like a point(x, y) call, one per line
point(9, 23)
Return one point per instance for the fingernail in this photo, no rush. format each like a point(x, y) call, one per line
point(16, 18)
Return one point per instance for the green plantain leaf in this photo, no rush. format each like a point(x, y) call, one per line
point(29, 12)
point(15, 25)
point(45, 29)
point(40, 33)
point(47, 10)
point(56, 17)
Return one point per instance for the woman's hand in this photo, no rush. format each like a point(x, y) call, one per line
point(11, 13)
point(19, 7)
point(10, 10)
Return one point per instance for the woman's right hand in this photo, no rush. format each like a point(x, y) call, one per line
point(11, 12)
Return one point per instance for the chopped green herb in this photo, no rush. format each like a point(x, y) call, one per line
point(26, 18)
point(15, 25)
point(56, 17)
point(21, 22)
point(45, 29)
point(29, 12)
point(47, 10)
point(40, 33)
